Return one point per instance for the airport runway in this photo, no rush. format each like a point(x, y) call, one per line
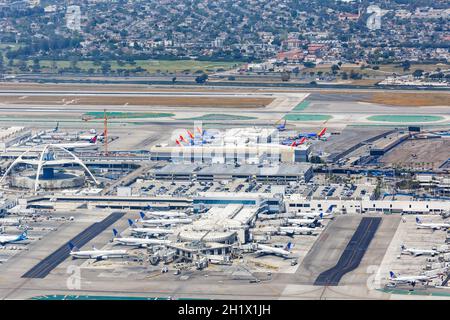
point(353, 253)
point(43, 268)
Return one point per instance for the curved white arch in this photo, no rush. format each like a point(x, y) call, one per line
point(41, 163)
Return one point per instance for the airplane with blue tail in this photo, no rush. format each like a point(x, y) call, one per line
point(4, 239)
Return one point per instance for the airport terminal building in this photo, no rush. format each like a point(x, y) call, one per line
point(230, 154)
point(299, 204)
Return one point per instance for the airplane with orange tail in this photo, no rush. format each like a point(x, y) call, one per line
point(312, 134)
point(298, 143)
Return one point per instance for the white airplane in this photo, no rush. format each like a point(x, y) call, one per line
point(140, 242)
point(165, 222)
point(290, 231)
point(21, 210)
point(264, 250)
point(150, 232)
point(79, 145)
point(394, 279)
point(419, 252)
point(10, 222)
point(305, 221)
point(162, 214)
point(95, 253)
point(431, 225)
point(313, 215)
point(4, 239)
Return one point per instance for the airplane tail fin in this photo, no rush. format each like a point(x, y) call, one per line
point(392, 275)
point(116, 233)
point(321, 216)
point(403, 247)
point(94, 139)
point(24, 235)
point(131, 223)
point(142, 215)
point(72, 247)
point(289, 246)
point(418, 221)
point(57, 127)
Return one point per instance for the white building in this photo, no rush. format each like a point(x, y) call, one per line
point(299, 204)
point(73, 18)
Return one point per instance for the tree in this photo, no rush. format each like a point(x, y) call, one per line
point(406, 65)
point(335, 68)
point(201, 79)
point(309, 64)
point(417, 73)
point(285, 76)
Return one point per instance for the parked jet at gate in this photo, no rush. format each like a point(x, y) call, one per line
point(4, 239)
point(164, 222)
point(162, 214)
point(419, 252)
point(290, 231)
point(431, 225)
point(139, 242)
point(282, 127)
point(394, 279)
point(95, 253)
point(264, 250)
point(79, 145)
point(306, 221)
point(150, 232)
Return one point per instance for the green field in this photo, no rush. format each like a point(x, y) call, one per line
point(126, 115)
point(224, 117)
point(404, 118)
point(152, 66)
point(301, 106)
point(307, 117)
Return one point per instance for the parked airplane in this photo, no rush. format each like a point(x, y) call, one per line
point(10, 222)
point(139, 242)
point(431, 225)
point(407, 279)
point(290, 231)
point(150, 232)
point(164, 222)
point(294, 143)
point(79, 145)
point(313, 215)
point(95, 253)
point(21, 210)
point(305, 221)
point(264, 250)
point(318, 135)
point(4, 239)
point(418, 252)
point(282, 127)
point(163, 214)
